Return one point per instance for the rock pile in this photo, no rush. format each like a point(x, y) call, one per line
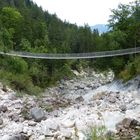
point(128, 129)
point(68, 110)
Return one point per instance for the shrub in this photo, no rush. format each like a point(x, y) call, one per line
point(17, 65)
point(98, 133)
point(21, 83)
point(125, 75)
point(131, 70)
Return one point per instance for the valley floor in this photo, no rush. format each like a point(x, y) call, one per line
point(72, 109)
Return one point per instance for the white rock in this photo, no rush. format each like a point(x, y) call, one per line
point(29, 133)
point(5, 137)
point(25, 129)
point(68, 123)
point(76, 72)
point(41, 137)
point(32, 123)
point(56, 134)
point(60, 138)
point(66, 134)
point(81, 136)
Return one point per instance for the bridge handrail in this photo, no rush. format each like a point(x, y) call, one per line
point(74, 55)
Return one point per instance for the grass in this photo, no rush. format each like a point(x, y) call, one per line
point(98, 133)
point(101, 133)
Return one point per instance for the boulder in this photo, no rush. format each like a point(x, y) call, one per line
point(15, 117)
point(99, 96)
point(4, 88)
point(1, 121)
point(68, 124)
point(127, 128)
point(127, 123)
point(79, 99)
point(19, 137)
point(5, 137)
point(112, 99)
point(32, 123)
point(98, 102)
point(37, 114)
point(66, 134)
point(3, 108)
point(110, 134)
point(123, 108)
point(42, 137)
point(56, 134)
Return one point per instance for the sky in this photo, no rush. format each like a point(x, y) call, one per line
point(81, 12)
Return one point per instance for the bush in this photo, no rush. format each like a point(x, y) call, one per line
point(66, 71)
point(125, 75)
point(131, 70)
point(98, 133)
point(21, 83)
point(17, 65)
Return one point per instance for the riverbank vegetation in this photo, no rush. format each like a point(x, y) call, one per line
point(26, 27)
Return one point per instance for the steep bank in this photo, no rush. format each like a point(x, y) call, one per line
point(70, 109)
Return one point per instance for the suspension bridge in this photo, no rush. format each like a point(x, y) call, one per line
point(73, 55)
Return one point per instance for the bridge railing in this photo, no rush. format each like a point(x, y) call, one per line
point(74, 55)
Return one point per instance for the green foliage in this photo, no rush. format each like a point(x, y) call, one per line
point(10, 17)
point(19, 94)
point(98, 133)
point(26, 27)
point(21, 83)
point(6, 36)
point(18, 65)
point(66, 71)
point(125, 75)
point(131, 69)
point(126, 19)
point(136, 65)
point(14, 65)
point(25, 45)
point(48, 108)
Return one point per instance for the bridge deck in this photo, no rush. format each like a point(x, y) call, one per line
point(74, 55)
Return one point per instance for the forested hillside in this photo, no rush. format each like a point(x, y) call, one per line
point(126, 21)
point(26, 27)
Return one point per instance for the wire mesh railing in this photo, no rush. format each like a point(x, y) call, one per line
point(74, 55)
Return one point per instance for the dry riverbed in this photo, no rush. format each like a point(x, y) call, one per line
point(69, 110)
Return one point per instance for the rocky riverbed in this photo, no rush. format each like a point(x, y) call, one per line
point(70, 109)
